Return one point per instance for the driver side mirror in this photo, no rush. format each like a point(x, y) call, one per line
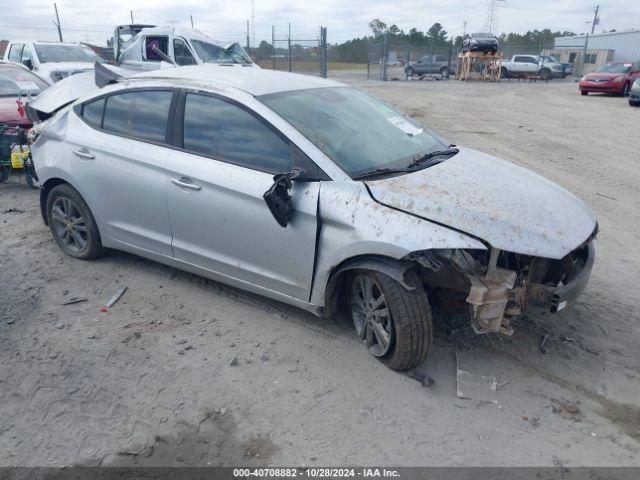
point(27, 62)
point(278, 198)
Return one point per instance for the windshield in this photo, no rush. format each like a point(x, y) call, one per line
point(615, 68)
point(546, 58)
point(356, 131)
point(16, 81)
point(64, 53)
point(210, 53)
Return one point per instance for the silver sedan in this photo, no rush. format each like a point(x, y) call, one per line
point(312, 193)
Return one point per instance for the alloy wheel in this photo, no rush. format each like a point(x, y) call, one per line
point(69, 224)
point(370, 314)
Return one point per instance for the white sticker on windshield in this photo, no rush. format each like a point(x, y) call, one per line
point(404, 125)
point(27, 86)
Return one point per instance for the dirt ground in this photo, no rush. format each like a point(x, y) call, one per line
point(185, 371)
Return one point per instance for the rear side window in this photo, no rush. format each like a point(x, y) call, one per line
point(227, 132)
point(15, 53)
point(92, 112)
point(141, 114)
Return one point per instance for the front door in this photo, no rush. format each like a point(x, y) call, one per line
point(216, 181)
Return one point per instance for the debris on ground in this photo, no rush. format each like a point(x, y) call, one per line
point(424, 379)
point(11, 210)
point(472, 385)
point(566, 409)
point(543, 343)
point(111, 302)
point(74, 300)
point(233, 362)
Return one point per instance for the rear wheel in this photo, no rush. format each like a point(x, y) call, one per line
point(72, 224)
point(394, 323)
point(545, 74)
point(634, 103)
point(410, 71)
point(504, 73)
point(444, 72)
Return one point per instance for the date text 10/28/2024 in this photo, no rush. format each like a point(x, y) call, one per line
point(315, 473)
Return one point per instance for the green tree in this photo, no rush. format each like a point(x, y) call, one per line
point(378, 27)
point(437, 35)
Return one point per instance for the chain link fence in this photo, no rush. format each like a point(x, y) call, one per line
point(298, 53)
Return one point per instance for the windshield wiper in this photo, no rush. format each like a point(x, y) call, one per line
point(431, 155)
point(379, 172)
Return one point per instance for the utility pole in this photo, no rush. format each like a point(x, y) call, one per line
point(289, 46)
point(57, 22)
point(596, 20)
point(131, 12)
point(464, 28)
point(253, 25)
point(273, 46)
point(191, 17)
point(248, 38)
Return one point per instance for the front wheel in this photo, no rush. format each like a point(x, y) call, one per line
point(625, 89)
point(584, 92)
point(394, 323)
point(72, 224)
point(410, 72)
point(504, 73)
point(545, 74)
point(444, 72)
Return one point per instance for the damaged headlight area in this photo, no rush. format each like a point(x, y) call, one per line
point(495, 286)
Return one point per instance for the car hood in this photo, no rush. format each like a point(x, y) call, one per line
point(509, 207)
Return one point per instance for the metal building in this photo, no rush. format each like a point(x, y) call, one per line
point(625, 45)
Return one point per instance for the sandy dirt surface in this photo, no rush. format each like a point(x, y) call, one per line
point(185, 371)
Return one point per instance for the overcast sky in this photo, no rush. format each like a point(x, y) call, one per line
point(94, 20)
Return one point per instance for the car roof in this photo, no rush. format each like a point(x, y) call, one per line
point(251, 79)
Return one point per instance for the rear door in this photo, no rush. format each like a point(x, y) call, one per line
point(224, 163)
point(118, 149)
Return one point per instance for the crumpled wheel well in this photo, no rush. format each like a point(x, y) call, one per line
point(391, 267)
point(44, 193)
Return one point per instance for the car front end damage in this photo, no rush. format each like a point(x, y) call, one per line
point(494, 287)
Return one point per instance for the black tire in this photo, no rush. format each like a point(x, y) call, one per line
point(504, 73)
point(625, 89)
point(410, 314)
point(5, 170)
point(93, 247)
point(544, 74)
point(584, 92)
point(634, 103)
point(444, 72)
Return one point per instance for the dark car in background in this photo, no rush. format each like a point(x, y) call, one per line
point(615, 78)
point(427, 65)
point(17, 85)
point(480, 42)
point(634, 95)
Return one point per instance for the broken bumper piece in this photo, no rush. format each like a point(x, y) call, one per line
point(554, 299)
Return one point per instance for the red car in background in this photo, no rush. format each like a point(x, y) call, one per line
point(17, 85)
point(616, 78)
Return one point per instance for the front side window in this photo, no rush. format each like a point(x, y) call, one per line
point(15, 53)
point(182, 53)
point(358, 132)
point(56, 53)
point(152, 44)
point(141, 114)
point(227, 132)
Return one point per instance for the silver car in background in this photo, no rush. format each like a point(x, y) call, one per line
point(311, 193)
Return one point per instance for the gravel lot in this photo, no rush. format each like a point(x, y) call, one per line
point(185, 371)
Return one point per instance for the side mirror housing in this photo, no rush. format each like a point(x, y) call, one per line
point(278, 198)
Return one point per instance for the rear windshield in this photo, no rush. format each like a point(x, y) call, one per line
point(64, 53)
point(17, 81)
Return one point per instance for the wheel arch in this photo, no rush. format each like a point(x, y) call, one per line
point(389, 266)
point(45, 188)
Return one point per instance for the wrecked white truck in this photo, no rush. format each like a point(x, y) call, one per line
point(311, 193)
point(145, 47)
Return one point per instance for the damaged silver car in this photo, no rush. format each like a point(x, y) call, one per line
point(311, 193)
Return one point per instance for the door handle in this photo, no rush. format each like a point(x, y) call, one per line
point(182, 184)
point(84, 154)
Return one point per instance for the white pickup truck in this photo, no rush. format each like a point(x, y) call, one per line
point(543, 66)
